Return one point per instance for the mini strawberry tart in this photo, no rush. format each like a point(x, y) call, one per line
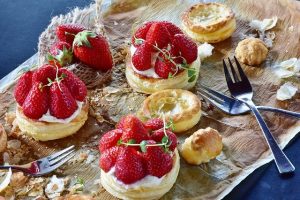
point(161, 57)
point(51, 103)
point(139, 161)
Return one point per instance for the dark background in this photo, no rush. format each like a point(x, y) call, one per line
point(21, 23)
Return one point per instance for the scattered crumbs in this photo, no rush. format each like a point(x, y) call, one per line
point(291, 28)
point(116, 23)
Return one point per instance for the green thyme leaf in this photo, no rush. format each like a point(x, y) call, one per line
point(131, 141)
point(143, 145)
point(165, 140)
point(192, 78)
point(170, 75)
point(119, 142)
point(79, 181)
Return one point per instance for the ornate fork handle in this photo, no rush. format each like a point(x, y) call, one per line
point(278, 110)
point(282, 162)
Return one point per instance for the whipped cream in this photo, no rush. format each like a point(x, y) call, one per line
point(47, 117)
point(147, 181)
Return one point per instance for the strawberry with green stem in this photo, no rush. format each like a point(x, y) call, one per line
point(60, 54)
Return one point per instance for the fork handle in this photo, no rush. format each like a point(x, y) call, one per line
point(282, 162)
point(278, 110)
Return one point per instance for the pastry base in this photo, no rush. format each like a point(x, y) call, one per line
point(44, 131)
point(145, 193)
point(188, 103)
point(150, 85)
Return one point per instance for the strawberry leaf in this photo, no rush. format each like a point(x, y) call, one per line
point(81, 39)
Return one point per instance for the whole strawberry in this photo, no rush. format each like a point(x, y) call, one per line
point(93, 50)
point(141, 33)
point(154, 124)
point(159, 134)
point(133, 129)
point(129, 166)
point(23, 87)
point(186, 46)
point(67, 32)
point(109, 139)
point(141, 58)
point(158, 162)
point(74, 84)
point(44, 73)
point(37, 101)
point(60, 54)
point(62, 103)
point(108, 158)
point(158, 36)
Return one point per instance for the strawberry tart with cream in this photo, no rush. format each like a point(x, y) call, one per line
point(161, 57)
point(51, 103)
point(139, 161)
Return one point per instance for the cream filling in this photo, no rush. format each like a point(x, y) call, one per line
point(147, 181)
point(47, 117)
point(149, 72)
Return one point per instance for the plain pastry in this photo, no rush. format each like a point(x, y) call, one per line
point(251, 51)
point(209, 22)
point(202, 146)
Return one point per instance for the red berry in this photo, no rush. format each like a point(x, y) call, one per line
point(74, 84)
point(108, 158)
point(141, 33)
point(159, 134)
point(186, 46)
point(164, 68)
point(158, 162)
point(23, 87)
point(37, 101)
point(154, 124)
point(62, 103)
point(44, 73)
point(60, 54)
point(172, 28)
point(129, 166)
point(141, 58)
point(158, 35)
point(67, 32)
point(134, 129)
point(109, 139)
point(93, 50)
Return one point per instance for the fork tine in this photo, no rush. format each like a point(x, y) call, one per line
point(215, 93)
point(241, 71)
point(227, 74)
point(59, 158)
point(215, 102)
point(235, 76)
point(53, 156)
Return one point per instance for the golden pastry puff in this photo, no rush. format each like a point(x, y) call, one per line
point(181, 106)
point(145, 192)
point(202, 146)
point(251, 51)
point(44, 131)
point(209, 22)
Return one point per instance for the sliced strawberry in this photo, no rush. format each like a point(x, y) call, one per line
point(108, 158)
point(159, 163)
point(37, 101)
point(23, 87)
point(133, 129)
point(60, 54)
point(93, 50)
point(186, 46)
point(67, 32)
point(109, 139)
point(141, 33)
point(172, 28)
point(141, 58)
point(159, 134)
point(158, 35)
point(129, 166)
point(154, 124)
point(74, 84)
point(44, 73)
point(164, 68)
point(62, 103)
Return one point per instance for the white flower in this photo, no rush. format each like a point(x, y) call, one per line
point(288, 68)
point(55, 187)
point(263, 25)
point(205, 50)
point(286, 91)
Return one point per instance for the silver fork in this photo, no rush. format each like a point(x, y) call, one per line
point(240, 88)
point(45, 165)
point(236, 107)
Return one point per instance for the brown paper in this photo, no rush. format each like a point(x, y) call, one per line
point(245, 148)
